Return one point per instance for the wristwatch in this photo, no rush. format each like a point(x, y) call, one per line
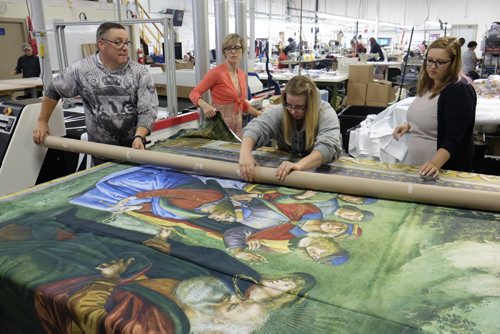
point(142, 138)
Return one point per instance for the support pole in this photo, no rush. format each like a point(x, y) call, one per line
point(221, 27)
point(119, 9)
point(168, 40)
point(316, 28)
point(240, 8)
point(42, 41)
point(200, 29)
point(251, 49)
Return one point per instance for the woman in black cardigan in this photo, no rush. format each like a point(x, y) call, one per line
point(441, 118)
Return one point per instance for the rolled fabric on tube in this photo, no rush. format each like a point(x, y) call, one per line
point(384, 189)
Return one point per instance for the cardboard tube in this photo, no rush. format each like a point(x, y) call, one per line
point(393, 190)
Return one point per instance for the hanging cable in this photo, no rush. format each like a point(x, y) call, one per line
point(131, 14)
point(407, 58)
point(428, 5)
point(82, 14)
point(28, 7)
point(300, 39)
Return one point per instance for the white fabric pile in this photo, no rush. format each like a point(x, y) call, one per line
point(372, 139)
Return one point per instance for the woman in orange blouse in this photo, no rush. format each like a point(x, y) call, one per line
point(283, 56)
point(228, 87)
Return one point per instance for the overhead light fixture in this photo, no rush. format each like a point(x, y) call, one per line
point(432, 23)
point(353, 19)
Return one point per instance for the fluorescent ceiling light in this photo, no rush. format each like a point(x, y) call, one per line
point(352, 19)
point(432, 23)
point(437, 25)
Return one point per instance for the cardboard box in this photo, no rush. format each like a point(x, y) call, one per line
point(183, 65)
point(161, 89)
point(89, 49)
point(356, 93)
point(360, 73)
point(275, 99)
point(182, 91)
point(178, 66)
point(379, 93)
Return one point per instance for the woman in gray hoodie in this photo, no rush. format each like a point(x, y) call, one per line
point(303, 124)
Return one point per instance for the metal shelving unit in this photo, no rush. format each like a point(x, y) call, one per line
point(491, 53)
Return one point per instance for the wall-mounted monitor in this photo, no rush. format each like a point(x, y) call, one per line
point(384, 41)
point(213, 55)
point(178, 16)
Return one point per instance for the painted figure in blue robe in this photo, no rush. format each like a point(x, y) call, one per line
point(131, 189)
point(171, 195)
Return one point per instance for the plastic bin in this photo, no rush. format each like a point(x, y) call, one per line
point(350, 117)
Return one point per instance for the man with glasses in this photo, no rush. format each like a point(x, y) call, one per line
point(118, 95)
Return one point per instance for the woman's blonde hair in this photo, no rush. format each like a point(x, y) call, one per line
point(452, 47)
point(233, 39)
point(302, 86)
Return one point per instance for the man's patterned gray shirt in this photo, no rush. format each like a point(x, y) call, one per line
point(115, 102)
